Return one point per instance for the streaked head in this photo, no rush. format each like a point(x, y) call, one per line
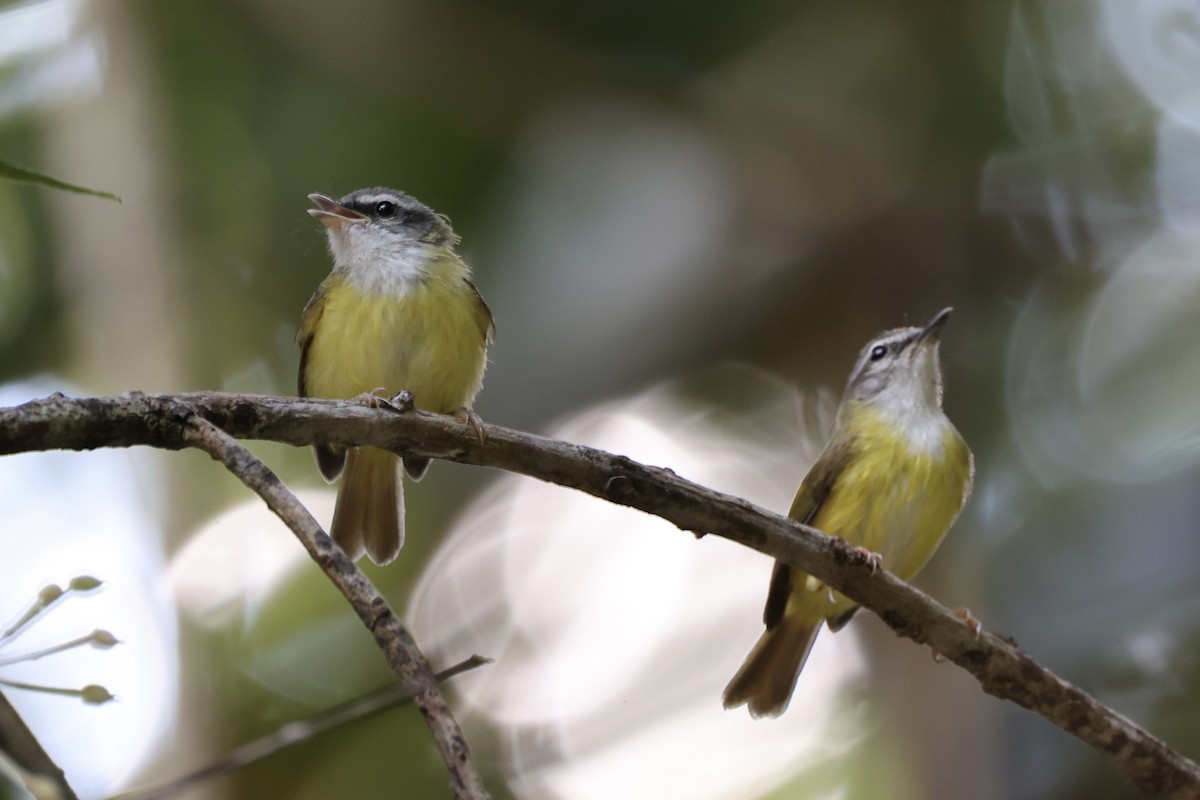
point(380, 225)
point(901, 367)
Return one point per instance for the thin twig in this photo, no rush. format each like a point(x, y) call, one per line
point(392, 638)
point(293, 733)
point(1001, 668)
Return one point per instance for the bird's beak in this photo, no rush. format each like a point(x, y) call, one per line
point(930, 331)
point(331, 213)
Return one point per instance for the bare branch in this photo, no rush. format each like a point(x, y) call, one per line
point(393, 639)
point(1001, 668)
point(295, 732)
point(26, 751)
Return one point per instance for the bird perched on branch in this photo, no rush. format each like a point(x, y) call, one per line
point(398, 312)
point(890, 481)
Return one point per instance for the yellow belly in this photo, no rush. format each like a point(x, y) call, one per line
point(898, 503)
point(426, 340)
point(894, 499)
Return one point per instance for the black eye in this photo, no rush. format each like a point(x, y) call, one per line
point(878, 352)
point(385, 209)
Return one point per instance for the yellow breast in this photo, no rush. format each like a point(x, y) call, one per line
point(425, 339)
point(900, 492)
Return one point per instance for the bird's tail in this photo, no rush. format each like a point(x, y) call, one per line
point(369, 515)
point(768, 676)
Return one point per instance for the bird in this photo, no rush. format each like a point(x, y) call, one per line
point(398, 312)
point(890, 481)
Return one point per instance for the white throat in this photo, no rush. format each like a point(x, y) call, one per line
point(373, 263)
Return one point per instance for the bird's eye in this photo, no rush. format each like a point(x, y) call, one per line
point(878, 352)
point(385, 209)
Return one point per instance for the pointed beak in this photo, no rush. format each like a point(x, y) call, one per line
point(331, 213)
point(931, 331)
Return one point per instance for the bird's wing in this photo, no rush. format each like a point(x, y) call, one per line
point(330, 459)
point(814, 490)
point(310, 318)
point(483, 316)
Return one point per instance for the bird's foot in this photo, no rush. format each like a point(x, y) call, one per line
point(471, 420)
point(975, 625)
point(871, 559)
point(380, 397)
point(965, 615)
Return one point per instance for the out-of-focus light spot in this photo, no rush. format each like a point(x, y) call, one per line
point(1105, 388)
point(56, 61)
point(1102, 372)
point(243, 574)
point(68, 514)
point(230, 567)
point(1139, 367)
point(1074, 115)
point(1154, 651)
point(996, 500)
point(1177, 174)
point(614, 634)
point(31, 27)
point(1157, 43)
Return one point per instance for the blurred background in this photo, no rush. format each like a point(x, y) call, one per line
point(687, 218)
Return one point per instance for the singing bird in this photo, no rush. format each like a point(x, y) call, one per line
point(891, 480)
point(398, 312)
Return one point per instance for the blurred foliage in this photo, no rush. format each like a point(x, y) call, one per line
point(646, 191)
point(14, 173)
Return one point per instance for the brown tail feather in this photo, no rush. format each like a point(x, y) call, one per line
point(369, 515)
point(768, 676)
point(416, 467)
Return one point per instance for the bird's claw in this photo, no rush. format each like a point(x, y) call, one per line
point(871, 559)
point(975, 625)
point(376, 398)
point(472, 421)
point(379, 397)
point(965, 615)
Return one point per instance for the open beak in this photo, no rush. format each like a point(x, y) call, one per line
point(930, 331)
point(331, 213)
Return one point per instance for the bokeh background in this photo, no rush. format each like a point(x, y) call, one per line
point(687, 217)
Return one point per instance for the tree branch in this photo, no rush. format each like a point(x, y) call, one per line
point(393, 639)
point(26, 751)
point(1002, 669)
point(293, 733)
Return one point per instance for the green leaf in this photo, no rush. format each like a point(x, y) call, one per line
point(29, 176)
